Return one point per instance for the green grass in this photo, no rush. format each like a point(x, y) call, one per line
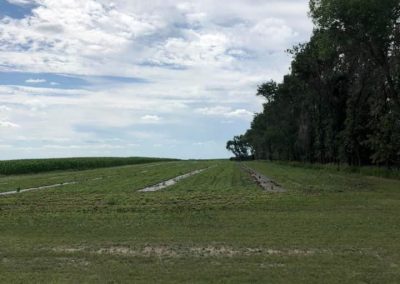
point(364, 170)
point(14, 167)
point(215, 227)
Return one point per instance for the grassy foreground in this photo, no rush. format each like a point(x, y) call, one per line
point(216, 227)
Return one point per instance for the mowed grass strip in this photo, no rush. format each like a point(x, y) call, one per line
point(97, 187)
point(145, 171)
point(215, 227)
point(321, 181)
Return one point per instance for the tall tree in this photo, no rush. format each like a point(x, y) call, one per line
point(340, 102)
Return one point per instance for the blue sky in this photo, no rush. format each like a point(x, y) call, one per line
point(164, 78)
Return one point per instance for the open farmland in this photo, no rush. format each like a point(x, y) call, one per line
point(217, 226)
point(46, 165)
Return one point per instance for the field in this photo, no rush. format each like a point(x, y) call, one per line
point(214, 227)
point(46, 165)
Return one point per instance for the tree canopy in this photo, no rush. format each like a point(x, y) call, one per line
point(240, 147)
point(340, 103)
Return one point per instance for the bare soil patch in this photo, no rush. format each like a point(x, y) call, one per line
point(37, 188)
point(196, 251)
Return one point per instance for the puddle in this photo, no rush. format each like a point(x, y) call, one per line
point(37, 188)
point(153, 188)
point(170, 182)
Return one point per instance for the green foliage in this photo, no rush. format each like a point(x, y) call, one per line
point(345, 168)
point(268, 90)
point(341, 101)
point(14, 167)
point(239, 147)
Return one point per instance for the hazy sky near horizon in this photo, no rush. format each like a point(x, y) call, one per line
point(163, 78)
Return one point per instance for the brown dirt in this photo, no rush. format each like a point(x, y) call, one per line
point(179, 252)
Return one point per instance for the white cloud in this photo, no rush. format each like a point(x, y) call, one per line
point(98, 37)
point(201, 61)
point(35, 81)
point(204, 143)
point(151, 118)
point(61, 35)
point(226, 112)
point(195, 49)
point(21, 2)
point(4, 108)
point(268, 34)
point(8, 124)
point(240, 113)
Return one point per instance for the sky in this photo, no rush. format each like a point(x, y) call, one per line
point(159, 78)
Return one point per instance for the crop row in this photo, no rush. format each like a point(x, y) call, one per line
point(45, 165)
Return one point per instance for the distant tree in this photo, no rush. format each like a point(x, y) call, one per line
point(240, 147)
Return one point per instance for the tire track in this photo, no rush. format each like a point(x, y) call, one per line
point(264, 182)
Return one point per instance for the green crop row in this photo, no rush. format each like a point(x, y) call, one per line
point(45, 165)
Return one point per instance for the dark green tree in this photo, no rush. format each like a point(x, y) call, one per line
point(240, 147)
point(340, 102)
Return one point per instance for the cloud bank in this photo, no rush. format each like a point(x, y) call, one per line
point(160, 75)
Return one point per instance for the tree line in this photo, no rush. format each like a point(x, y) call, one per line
point(340, 103)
